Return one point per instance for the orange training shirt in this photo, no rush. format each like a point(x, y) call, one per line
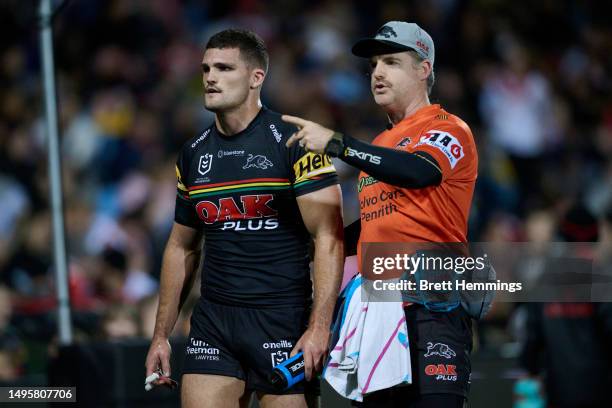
point(432, 214)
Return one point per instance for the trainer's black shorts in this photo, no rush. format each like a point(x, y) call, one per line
point(244, 343)
point(440, 347)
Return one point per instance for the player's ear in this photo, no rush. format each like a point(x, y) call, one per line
point(257, 77)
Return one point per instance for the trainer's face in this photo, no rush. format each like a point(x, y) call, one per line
point(396, 79)
point(226, 79)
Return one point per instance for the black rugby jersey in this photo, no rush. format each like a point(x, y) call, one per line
point(242, 190)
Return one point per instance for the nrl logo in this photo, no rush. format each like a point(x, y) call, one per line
point(386, 31)
point(258, 161)
point(205, 163)
point(278, 357)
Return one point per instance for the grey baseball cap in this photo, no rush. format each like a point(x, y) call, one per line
point(397, 36)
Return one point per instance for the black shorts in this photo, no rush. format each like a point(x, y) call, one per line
point(244, 343)
point(440, 347)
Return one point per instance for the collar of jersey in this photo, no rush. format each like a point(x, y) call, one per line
point(246, 130)
point(425, 110)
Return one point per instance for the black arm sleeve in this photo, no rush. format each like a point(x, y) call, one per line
point(351, 237)
point(392, 166)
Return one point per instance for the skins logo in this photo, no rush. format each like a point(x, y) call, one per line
point(439, 349)
point(387, 32)
point(258, 161)
point(444, 372)
point(254, 208)
point(363, 156)
point(205, 163)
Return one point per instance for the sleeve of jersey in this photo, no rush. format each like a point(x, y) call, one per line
point(310, 172)
point(450, 145)
point(184, 210)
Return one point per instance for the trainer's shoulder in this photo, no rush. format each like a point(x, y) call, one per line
point(452, 124)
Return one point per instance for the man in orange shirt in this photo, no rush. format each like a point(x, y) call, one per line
point(416, 185)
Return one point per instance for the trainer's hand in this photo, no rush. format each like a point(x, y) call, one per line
point(158, 358)
point(314, 344)
point(311, 136)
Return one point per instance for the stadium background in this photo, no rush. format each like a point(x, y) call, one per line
point(532, 79)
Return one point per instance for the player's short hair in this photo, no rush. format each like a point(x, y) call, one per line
point(252, 47)
point(431, 79)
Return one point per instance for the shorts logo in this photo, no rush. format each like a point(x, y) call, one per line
point(280, 344)
point(205, 163)
point(278, 357)
point(444, 372)
point(202, 350)
point(439, 349)
point(448, 144)
point(258, 161)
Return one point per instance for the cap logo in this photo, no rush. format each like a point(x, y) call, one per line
point(422, 46)
point(387, 32)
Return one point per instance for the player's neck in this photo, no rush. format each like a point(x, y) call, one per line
point(400, 113)
point(236, 120)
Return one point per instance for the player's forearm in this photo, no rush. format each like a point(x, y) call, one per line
point(391, 166)
point(179, 267)
point(328, 269)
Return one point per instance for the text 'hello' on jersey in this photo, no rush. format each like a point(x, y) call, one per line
point(432, 214)
point(241, 190)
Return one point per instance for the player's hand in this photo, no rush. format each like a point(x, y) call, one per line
point(158, 359)
point(311, 136)
point(314, 344)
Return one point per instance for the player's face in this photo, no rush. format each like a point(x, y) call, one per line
point(395, 80)
point(226, 79)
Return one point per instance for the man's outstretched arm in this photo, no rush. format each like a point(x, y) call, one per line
point(179, 267)
point(391, 166)
point(322, 214)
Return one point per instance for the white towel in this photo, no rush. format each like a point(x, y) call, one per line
point(372, 351)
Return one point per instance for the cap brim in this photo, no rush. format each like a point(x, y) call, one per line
point(369, 47)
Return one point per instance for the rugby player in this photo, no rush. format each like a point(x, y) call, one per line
point(257, 203)
point(424, 166)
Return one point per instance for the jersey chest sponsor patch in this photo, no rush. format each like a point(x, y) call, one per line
point(448, 144)
point(247, 212)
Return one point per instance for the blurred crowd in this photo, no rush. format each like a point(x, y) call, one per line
point(531, 79)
